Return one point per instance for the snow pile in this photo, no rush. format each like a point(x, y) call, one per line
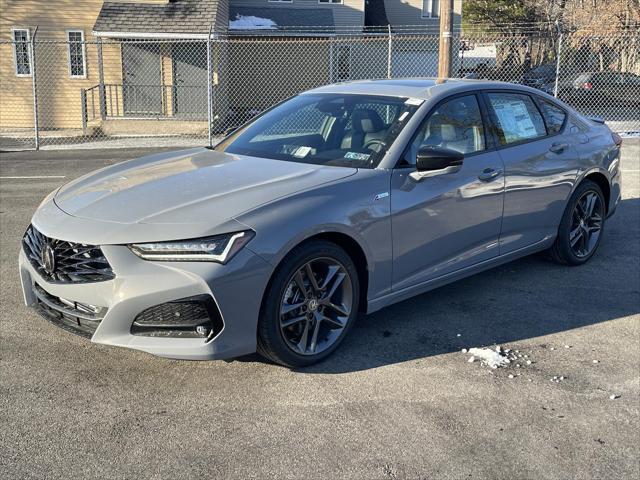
point(492, 358)
point(249, 22)
point(631, 134)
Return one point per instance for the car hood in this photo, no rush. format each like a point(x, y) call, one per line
point(187, 187)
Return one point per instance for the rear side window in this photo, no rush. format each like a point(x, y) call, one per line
point(517, 117)
point(553, 116)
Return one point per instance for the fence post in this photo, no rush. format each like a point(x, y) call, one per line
point(209, 90)
point(555, 87)
point(331, 59)
point(34, 87)
point(389, 54)
point(83, 103)
point(101, 90)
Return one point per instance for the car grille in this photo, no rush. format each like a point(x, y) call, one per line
point(68, 262)
point(75, 317)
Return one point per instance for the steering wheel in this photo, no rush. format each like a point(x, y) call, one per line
point(374, 141)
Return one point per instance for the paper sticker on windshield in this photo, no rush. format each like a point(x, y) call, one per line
point(301, 152)
point(403, 116)
point(414, 101)
point(356, 156)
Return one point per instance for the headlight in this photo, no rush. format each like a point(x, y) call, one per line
point(220, 248)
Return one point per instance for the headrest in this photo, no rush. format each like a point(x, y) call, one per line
point(366, 121)
point(440, 127)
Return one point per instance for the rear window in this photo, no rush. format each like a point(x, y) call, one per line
point(517, 117)
point(554, 116)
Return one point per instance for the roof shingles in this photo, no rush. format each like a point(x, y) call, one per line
point(181, 16)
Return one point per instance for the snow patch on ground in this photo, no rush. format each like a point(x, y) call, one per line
point(249, 22)
point(491, 358)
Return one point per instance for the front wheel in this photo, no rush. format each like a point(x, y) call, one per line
point(310, 304)
point(582, 224)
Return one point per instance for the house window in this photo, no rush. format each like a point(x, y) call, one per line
point(76, 51)
point(22, 52)
point(430, 8)
point(330, 1)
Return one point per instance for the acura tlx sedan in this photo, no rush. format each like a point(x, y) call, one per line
point(343, 199)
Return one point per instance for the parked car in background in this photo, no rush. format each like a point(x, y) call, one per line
point(344, 199)
point(606, 88)
point(541, 77)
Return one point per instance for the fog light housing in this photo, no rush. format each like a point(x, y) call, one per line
point(191, 317)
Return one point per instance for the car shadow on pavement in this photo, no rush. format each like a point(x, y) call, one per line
point(529, 298)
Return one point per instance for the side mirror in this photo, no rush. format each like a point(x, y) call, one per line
point(437, 160)
point(434, 161)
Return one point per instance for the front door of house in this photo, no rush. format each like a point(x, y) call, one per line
point(141, 79)
point(190, 80)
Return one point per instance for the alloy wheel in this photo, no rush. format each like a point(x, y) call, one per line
point(586, 224)
point(316, 306)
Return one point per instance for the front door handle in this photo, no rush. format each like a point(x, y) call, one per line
point(489, 174)
point(558, 147)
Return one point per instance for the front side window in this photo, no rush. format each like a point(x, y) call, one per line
point(517, 117)
point(325, 129)
point(75, 42)
point(456, 125)
point(21, 50)
point(554, 116)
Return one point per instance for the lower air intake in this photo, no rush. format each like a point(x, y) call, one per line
point(192, 317)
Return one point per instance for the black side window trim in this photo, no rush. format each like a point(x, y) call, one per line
point(494, 120)
point(489, 141)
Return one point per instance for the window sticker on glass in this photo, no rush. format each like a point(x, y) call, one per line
point(302, 152)
point(356, 156)
point(414, 101)
point(514, 114)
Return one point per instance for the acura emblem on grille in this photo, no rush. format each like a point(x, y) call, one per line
point(48, 257)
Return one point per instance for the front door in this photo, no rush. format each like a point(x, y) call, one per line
point(451, 221)
point(190, 80)
point(141, 79)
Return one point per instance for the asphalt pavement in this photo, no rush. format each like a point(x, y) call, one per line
point(398, 400)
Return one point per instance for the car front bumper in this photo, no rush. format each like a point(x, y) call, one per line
point(236, 288)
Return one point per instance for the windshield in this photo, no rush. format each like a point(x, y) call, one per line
point(325, 129)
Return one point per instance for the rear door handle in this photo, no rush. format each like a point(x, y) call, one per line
point(558, 147)
point(489, 174)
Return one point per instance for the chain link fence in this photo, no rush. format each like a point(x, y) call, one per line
point(186, 92)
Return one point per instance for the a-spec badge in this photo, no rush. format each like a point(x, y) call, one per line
point(380, 196)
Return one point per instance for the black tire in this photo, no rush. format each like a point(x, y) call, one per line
point(562, 251)
point(272, 343)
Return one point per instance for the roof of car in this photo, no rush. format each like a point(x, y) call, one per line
point(423, 88)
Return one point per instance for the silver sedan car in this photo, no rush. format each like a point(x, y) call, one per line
point(341, 200)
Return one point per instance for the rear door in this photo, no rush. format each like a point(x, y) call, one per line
point(541, 164)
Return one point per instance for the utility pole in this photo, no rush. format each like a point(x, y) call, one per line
point(446, 27)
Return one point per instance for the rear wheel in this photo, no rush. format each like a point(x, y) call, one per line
point(581, 227)
point(310, 304)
